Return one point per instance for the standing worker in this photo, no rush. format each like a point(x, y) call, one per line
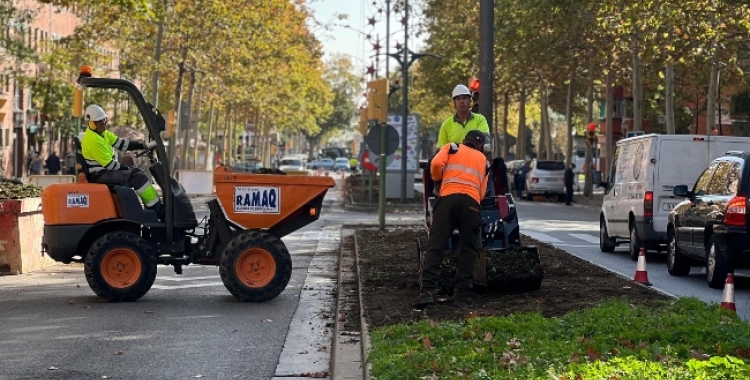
point(569, 177)
point(455, 127)
point(97, 148)
point(460, 175)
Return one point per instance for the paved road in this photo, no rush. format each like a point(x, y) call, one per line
point(576, 230)
point(187, 326)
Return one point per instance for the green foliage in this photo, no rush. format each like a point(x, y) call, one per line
point(14, 189)
point(681, 339)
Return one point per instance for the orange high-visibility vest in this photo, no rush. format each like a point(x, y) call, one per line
point(462, 170)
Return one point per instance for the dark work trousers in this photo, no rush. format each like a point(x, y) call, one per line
point(568, 194)
point(453, 211)
point(132, 177)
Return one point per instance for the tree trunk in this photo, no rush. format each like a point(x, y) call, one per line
point(546, 123)
point(711, 98)
point(569, 119)
point(610, 124)
point(194, 159)
point(186, 131)
point(178, 100)
point(209, 140)
point(669, 98)
point(521, 143)
point(588, 162)
point(506, 101)
point(637, 89)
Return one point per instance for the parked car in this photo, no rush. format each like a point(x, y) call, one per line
point(639, 195)
point(710, 227)
point(323, 163)
point(545, 178)
point(247, 166)
point(293, 165)
point(341, 163)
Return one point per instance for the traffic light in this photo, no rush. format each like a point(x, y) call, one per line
point(171, 124)
point(591, 133)
point(363, 121)
point(474, 88)
point(377, 100)
point(77, 102)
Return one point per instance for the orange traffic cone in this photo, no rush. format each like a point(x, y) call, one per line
point(727, 299)
point(641, 276)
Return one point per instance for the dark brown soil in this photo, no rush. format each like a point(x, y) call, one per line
point(389, 270)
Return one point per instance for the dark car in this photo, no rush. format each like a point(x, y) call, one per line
point(247, 166)
point(710, 228)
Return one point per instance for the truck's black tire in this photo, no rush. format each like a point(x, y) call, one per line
point(717, 267)
point(255, 266)
point(120, 267)
point(677, 264)
point(606, 244)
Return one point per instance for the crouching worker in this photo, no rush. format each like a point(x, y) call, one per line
point(460, 175)
point(97, 147)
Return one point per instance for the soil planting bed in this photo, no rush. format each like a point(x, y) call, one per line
point(389, 270)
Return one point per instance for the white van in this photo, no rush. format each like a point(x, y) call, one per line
point(645, 170)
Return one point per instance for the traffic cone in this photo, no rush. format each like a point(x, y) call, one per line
point(727, 299)
point(641, 276)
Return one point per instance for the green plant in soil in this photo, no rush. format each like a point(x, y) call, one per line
point(14, 189)
point(678, 339)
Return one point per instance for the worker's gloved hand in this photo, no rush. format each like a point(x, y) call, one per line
point(151, 145)
point(436, 189)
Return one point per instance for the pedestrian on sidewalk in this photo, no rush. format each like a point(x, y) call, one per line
point(569, 178)
point(460, 175)
point(53, 164)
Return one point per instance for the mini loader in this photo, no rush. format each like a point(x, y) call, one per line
point(503, 265)
point(121, 243)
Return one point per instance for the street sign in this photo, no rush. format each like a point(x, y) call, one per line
point(367, 163)
point(634, 133)
point(391, 141)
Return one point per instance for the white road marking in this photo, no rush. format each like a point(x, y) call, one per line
point(541, 237)
point(201, 285)
point(587, 237)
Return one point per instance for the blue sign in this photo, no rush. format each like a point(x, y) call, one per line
point(78, 200)
point(256, 200)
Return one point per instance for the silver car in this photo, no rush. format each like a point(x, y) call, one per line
point(545, 178)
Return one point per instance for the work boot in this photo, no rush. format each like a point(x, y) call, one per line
point(463, 300)
point(425, 299)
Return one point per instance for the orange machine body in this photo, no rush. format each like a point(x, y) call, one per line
point(259, 201)
point(77, 203)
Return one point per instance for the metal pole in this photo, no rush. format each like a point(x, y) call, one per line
point(381, 195)
point(486, 59)
point(405, 67)
point(387, 36)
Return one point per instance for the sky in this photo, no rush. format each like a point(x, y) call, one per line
point(350, 40)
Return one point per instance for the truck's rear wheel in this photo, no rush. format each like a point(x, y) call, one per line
point(120, 266)
point(255, 266)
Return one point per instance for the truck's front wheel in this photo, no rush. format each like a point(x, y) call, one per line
point(255, 266)
point(120, 266)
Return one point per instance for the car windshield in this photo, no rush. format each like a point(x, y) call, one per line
point(344, 160)
point(550, 165)
point(291, 162)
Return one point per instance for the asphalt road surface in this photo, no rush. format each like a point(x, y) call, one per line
point(576, 230)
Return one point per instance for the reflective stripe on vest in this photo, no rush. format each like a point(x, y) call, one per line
point(462, 168)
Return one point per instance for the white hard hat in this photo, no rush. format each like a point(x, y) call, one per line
point(95, 113)
point(460, 90)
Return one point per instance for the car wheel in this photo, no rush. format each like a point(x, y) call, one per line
point(606, 244)
point(635, 244)
point(717, 266)
point(677, 264)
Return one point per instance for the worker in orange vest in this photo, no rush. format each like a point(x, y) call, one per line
point(460, 175)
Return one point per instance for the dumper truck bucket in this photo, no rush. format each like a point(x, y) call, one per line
point(279, 203)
